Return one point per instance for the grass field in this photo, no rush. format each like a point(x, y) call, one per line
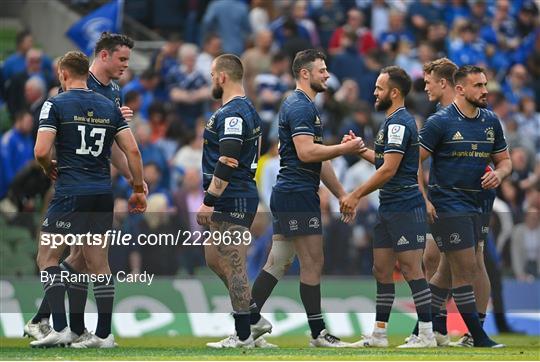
point(292, 348)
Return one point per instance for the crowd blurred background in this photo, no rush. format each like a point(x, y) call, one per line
point(171, 100)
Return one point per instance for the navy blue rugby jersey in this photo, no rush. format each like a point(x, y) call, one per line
point(461, 148)
point(110, 91)
point(85, 123)
point(398, 133)
point(298, 116)
point(236, 120)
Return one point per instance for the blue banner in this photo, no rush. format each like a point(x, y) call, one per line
point(86, 32)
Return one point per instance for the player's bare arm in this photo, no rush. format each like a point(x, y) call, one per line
point(129, 147)
point(379, 178)
point(430, 209)
point(503, 168)
point(330, 180)
point(43, 152)
point(309, 151)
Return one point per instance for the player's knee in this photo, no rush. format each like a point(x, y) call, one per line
point(382, 273)
point(431, 262)
point(411, 271)
point(96, 264)
point(280, 258)
point(466, 272)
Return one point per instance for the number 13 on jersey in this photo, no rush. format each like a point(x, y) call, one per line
point(97, 135)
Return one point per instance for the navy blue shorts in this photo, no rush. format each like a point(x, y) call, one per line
point(401, 231)
point(79, 214)
point(455, 232)
point(296, 213)
point(482, 225)
point(236, 210)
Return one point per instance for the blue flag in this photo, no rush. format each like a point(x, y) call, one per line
point(86, 32)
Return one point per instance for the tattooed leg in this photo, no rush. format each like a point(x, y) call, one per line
point(234, 259)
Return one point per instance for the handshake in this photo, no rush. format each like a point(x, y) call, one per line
point(349, 202)
point(352, 144)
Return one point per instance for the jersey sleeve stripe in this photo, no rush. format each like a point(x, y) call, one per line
point(302, 132)
point(422, 144)
point(48, 126)
point(122, 128)
point(47, 129)
point(394, 151)
point(500, 150)
point(231, 138)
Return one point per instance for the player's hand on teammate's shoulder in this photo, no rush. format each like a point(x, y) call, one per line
point(137, 203)
point(127, 113)
point(204, 214)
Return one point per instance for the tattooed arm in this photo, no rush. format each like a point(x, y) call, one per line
point(217, 185)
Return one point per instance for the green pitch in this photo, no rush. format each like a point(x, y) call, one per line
point(292, 348)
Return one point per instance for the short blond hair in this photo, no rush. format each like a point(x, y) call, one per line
point(442, 68)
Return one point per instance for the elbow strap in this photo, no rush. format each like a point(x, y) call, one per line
point(223, 171)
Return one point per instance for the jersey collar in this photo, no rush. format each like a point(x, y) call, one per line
point(393, 113)
point(97, 80)
point(464, 116)
point(304, 93)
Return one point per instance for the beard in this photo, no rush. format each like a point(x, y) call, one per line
point(217, 91)
point(480, 103)
point(317, 87)
point(383, 104)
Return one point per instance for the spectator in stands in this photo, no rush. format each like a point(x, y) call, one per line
point(515, 85)
point(187, 200)
point(525, 247)
point(420, 14)
point(456, 9)
point(151, 153)
point(528, 121)
point(257, 60)
point(16, 62)
point(35, 94)
point(229, 19)
point(16, 148)
point(527, 18)
point(378, 14)
point(188, 156)
point(259, 15)
point(278, 26)
point(327, 18)
point(132, 99)
point(146, 85)
point(188, 88)
point(467, 48)
point(293, 42)
point(166, 58)
point(348, 63)
point(479, 14)
point(15, 86)
point(211, 49)
point(397, 32)
point(271, 86)
point(157, 220)
point(355, 25)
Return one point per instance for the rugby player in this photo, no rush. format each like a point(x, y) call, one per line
point(232, 139)
point(82, 125)
point(112, 53)
point(294, 202)
point(462, 139)
point(401, 229)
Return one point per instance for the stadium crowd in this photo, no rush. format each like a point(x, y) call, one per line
point(172, 101)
